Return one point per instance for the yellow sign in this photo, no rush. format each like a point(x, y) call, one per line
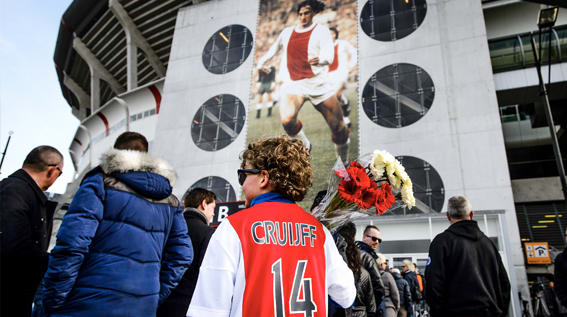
point(537, 252)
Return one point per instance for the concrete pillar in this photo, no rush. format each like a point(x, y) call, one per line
point(131, 61)
point(95, 90)
point(82, 96)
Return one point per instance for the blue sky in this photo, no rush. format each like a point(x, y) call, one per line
point(31, 103)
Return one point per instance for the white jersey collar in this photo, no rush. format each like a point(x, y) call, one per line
point(299, 30)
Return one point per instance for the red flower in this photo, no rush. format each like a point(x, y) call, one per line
point(386, 199)
point(368, 198)
point(358, 174)
point(390, 198)
point(357, 187)
point(349, 190)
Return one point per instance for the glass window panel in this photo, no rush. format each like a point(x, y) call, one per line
point(227, 49)
point(528, 52)
point(506, 54)
point(218, 122)
point(219, 58)
point(216, 68)
point(427, 186)
point(392, 20)
point(230, 112)
point(562, 34)
point(237, 38)
point(235, 55)
point(219, 44)
point(218, 185)
point(398, 95)
point(389, 81)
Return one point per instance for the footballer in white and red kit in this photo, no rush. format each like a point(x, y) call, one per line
point(344, 61)
point(273, 258)
point(307, 54)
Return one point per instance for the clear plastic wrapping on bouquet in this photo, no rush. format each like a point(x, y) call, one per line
point(333, 211)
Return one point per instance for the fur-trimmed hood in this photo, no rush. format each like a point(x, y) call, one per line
point(122, 161)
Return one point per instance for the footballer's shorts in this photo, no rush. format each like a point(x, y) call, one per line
point(316, 89)
point(338, 77)
point(265, 88)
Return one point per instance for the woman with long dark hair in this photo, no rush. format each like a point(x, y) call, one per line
point(364, 304)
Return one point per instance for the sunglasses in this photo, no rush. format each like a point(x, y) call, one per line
point(243, 173)
point(57, 167)
point(375, 239)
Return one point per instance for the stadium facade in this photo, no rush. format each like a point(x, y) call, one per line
point(448, 86)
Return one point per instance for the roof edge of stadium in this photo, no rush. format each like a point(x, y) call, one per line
point(79, 17)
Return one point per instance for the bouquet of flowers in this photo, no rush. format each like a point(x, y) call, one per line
point(372, 184)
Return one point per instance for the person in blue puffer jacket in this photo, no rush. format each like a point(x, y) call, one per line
point(123, 243)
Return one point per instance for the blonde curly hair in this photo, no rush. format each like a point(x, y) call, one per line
point(287, 162)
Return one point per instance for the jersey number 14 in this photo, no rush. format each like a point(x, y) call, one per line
point(296, 305)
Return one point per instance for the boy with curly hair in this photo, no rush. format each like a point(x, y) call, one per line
point(273, 258)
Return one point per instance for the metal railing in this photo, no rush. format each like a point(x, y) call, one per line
point(514, 52)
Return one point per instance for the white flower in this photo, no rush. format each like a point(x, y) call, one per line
point(380, 160)
point(404, 177)
point(392, 178)
point(407, 194)
point(385, 163)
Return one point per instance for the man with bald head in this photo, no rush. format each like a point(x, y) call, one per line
point(25, 229)
point(465, 274)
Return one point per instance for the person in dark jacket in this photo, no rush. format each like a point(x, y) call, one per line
point(391, 303)
point(199, 211)
point(25, 228)
point(405, 293)
point(408, 272)
point(371, 239)
point(123, 244)
point(364, 304)
point(560, 277)
point(465, 274)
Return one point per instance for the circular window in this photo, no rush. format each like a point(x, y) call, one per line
point(218, 122)
point(428, 187)
point(398, 95)
point(227, 49)
point(392, 20)
point(218, 185)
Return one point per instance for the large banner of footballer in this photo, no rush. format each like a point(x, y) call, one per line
point(305, 80)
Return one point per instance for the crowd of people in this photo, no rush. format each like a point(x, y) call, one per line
point(128, 247)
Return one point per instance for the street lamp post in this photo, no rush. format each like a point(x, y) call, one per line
point(6, 149)
point(546, 19)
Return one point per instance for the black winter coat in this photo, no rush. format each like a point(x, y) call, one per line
point(25, 229)
point(200, 233)
point(560, 278)
point(411, 278)
point(365, 304)
point(368, 259)
point(404, 289)
point(465, 274)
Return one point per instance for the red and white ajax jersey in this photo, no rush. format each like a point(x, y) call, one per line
point(299, 46)
point(273, 259)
